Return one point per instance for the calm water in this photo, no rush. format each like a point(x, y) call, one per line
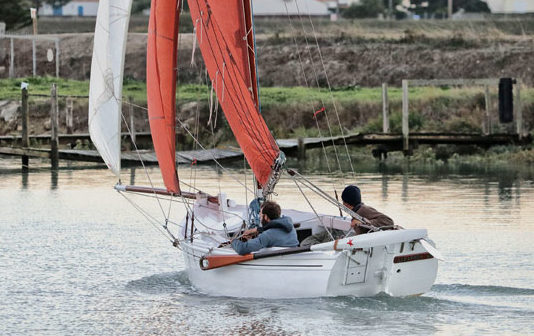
point(77, 258)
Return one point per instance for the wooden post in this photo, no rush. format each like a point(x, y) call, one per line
point(57, 58)
point(12, 60)
point(132, 120)
point(449, 10)
point(54, 155)
point(487, 122)
point(385, 108)
point(34, 59)
point(405, 117)
point(518, 111)
point(25, 124)
point(301, 149)
point(68, 115)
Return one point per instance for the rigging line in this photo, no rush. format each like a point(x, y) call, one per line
point(245, 38)
point(311, 206)
point(330, 91)
point(220, 49)
point(220, 36)
point(141, 159)
point(244, 107)
point(213, 140)
point(152, 196)
point(307, 85)
point(251, 125)
point(246, 192)
point(255, 56)
point(197, 130)
point(194, 44)
point(327, 197)
point(147, 217)
point(203, 148)
point(318, 85)
point(198, 221)
point(197, 141)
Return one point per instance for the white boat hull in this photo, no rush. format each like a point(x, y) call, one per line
point(403, 268)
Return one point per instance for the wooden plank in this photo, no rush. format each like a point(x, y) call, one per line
point(24, 152)
point(54, 116)
point(453, 82)
point(385, 108)
point(25, 124)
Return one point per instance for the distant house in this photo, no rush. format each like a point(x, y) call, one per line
point(262, 8)
point(511, 6)
point(272, 8)
point(73, 8)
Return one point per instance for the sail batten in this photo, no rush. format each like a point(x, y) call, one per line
point(105, 90)
point(161, 86)
point(225, 39)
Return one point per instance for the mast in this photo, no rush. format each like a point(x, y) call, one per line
point(225, 36)
point(161, 85)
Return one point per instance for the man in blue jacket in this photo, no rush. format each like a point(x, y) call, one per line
point(275, 231)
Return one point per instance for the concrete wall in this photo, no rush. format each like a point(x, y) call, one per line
point(511, 6)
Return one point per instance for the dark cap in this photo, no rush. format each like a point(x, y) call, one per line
point(351, 195)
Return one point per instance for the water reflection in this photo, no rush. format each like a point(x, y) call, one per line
point(24, 181)
point(53, 179)
point(404, 195)
point(132, 176)
point(384, 187)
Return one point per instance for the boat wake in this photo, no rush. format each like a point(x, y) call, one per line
point(174, 282)
point(474, 290)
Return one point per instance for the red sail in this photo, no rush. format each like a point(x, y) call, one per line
point(161, 85)
point(225, 37)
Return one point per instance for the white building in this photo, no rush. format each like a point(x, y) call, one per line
point(73, 8)
point(511, 6)
point(294, 7)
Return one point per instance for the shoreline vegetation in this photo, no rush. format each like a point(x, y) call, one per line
point(288, 112)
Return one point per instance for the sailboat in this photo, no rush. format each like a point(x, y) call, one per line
point(400, 262)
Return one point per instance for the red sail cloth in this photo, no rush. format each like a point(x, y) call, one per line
point(161, 85)
point(226, 46)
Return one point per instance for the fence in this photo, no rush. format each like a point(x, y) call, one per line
point(42, 44)
point(486, 83)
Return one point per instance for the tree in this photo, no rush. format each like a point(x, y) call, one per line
point(55, 3)
point(471, 6)
point(370, 9)
point(14, 13)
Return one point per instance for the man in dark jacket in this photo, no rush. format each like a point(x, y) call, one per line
point(352, 199)
point(275, 231)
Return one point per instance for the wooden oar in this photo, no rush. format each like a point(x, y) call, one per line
point(216, 261)
point(362, 241)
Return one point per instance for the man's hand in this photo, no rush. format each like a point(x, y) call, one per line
point(250, 233)
point(354, 223)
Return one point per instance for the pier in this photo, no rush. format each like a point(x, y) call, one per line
point(382, 144)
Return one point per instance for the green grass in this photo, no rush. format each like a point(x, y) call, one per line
point(10, 89)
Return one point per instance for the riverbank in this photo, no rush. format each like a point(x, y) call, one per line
point(363, 53)
point(288, 111)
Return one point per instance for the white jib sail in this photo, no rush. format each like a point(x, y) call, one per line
point(105, 89)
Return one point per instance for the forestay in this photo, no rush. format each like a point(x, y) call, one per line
point(105, 91)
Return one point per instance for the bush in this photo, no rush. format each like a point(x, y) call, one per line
point(365, 9)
